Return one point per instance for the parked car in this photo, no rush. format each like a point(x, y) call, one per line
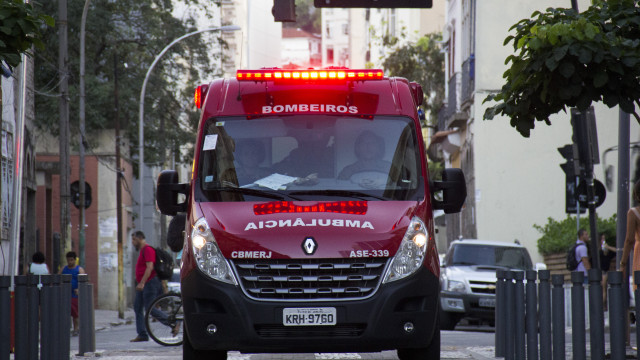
point(468, 278)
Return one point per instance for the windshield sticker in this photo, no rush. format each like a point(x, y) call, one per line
point(220, 123)
point(269, 224)
point(210, 142)
point(208, 178)
point(251, 254)
point(330, 108)
point(369, 253)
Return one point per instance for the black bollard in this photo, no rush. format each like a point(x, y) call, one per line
point(86, 339)
point(520, 349)
point(532, 315)
point(596, 314)
point(499, 314)
point(617, 320)
point(21, 314)
point(578, 334)
point(56, 336)
point(544, 308)
point(33, 317)
point(47, 318)
point(65, 316)
point(557, 308)
point(5, 317)
point(510, 318)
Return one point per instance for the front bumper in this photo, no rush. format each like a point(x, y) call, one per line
point(468, 305)
point(373, 324)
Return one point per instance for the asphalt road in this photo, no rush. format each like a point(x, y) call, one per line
point(112, 342)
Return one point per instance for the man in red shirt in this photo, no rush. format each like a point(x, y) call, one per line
point(148, 286)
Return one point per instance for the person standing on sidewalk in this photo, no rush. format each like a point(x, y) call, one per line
point(582, 254)
point(633, 235)
point(74, 270)
point(148, 285)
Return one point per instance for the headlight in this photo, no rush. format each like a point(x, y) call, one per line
point(208, 255)
point(411, 253)
point(455, 286)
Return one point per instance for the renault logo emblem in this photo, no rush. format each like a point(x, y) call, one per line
point(309, 245)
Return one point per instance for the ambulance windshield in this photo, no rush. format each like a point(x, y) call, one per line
point(306, 157)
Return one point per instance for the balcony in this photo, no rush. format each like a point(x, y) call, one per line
point(468, 80)
point(452, 116)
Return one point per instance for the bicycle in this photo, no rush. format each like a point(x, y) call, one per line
point(165, 318)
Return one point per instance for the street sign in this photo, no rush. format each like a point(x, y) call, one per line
point(600, 193)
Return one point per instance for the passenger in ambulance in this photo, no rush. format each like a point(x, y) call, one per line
point(369, 150)
point(249, 155)
point(312, 159)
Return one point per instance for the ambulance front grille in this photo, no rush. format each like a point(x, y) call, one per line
point(309, 279)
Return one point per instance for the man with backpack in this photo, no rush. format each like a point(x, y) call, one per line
point(148, 285)
point(582, 254)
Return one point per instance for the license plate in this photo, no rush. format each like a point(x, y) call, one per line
point(487, 302)
point(309, 316)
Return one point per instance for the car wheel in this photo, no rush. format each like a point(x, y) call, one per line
point(189, 353)
point(448, 321)
point(431, 352)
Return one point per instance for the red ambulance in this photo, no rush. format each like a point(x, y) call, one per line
point(309, 217)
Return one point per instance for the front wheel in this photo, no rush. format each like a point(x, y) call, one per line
point(189, 353)
point(164, 320)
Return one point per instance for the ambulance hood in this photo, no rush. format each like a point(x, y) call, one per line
point(243, 232)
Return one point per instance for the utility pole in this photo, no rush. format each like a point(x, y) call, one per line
point(63, 62)
point(118, 191)
point(81, 189)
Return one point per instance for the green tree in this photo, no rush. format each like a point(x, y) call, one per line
point(20, 27)
point(307, 17)
point(423, 63)
point(122, 39)
point(567, 59)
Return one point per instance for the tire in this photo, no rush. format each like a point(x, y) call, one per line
point(189, 353)
point(431, 352)
point(448, 321)
point(171, 305)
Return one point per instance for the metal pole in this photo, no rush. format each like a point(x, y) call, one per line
point(21, 312)
point(63, 63)
point(623, 183)
point(65, 315)
point(520, 349)
point(578, 333)
point(544, 289)
point(120, 229)
point(557, 308)
point(499, 313)
point(532, 315)
point(510, 316)
point(81, 187)
point(56, 336)
point(16, 201)
point(33, 317)
point(596, 314)
point(141, 111)
point(617, 322)
point(5, 317)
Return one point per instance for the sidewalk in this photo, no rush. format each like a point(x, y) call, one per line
point(105, 319)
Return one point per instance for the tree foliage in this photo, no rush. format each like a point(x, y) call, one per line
point(567, 59)
point(307, 17)
point(20, 28)
point(122, 39)
point(558, 236)
point(423, 63)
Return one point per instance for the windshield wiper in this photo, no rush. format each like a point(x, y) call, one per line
point(348, 193)
point(255, 192)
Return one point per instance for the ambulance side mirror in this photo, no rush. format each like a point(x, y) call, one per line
point(454, 191)
point(167, 193)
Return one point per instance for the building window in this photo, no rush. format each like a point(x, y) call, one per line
point(345, 29)
point(330, 55)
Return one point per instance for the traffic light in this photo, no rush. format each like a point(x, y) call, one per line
point(585, 136)
point(75, 194)
point(424, 4)
point(571, 169)
point(284, 10)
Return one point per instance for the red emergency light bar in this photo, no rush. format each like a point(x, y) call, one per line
point(342, 207)
point(309, 75)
